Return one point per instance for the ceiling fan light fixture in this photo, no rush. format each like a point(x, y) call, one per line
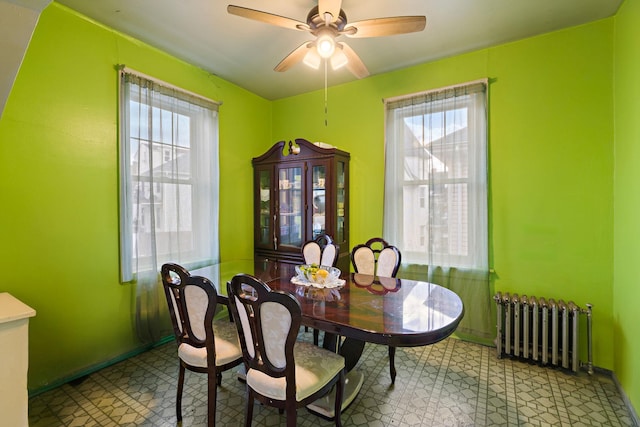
point(339, 59)
point(312, 59)
point(325, 45)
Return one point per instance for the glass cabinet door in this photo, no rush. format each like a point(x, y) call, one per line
point(290, 207)
point(318, 176)
point(340, 200)
point(265, 232)
point(300, 194)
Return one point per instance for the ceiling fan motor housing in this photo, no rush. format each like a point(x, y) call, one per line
point(316, 21)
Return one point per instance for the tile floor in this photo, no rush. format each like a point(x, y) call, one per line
point(452, 383)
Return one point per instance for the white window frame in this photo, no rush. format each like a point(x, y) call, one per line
point(168, 186)
point(474, 236)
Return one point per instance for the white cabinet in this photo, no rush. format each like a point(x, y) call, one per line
point(14, 360)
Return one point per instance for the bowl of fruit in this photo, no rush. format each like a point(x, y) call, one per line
point(317, 274)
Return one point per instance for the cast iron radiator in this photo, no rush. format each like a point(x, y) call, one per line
point(541, 330)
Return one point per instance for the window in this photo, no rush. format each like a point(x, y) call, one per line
point(168, 178)
point(435, 176)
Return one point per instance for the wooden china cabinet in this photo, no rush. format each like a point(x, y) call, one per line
point(300, 191)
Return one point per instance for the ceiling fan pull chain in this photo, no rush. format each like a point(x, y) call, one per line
point(325, 92)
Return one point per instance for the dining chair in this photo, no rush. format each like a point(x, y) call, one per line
point(376, 257)
point(204, 345)
point(320, 251)
point(280, 371)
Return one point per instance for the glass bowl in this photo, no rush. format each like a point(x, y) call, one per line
point(320, 274)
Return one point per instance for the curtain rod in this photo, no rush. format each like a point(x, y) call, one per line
point(124, 69)
point(397, 98)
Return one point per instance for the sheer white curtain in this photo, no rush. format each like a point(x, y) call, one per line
point(435, 202)
point(168, 190)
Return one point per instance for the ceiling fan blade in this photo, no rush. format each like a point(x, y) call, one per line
point(329, 6)
point(385, 26)
point(355, 64)
point(294, 57)
point(268, 18)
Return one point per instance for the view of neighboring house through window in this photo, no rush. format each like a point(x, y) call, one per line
point(169, 178)
point(435, 176)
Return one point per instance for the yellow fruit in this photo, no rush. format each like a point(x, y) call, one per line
point(323, 273)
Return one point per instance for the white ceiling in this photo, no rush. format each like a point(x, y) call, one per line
point(245, 52)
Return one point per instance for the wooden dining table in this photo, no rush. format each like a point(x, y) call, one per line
point(389, 311)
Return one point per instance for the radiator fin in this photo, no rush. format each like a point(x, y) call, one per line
point(541, 330)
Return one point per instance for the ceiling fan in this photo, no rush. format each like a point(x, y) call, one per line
point(327, 22)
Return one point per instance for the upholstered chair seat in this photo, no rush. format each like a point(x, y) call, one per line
point(227, 347)
point(314, 368)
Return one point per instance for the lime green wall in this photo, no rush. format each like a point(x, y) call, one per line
point(552, 171)
point(551, 158)
point(626, 290)
point(59, 220)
